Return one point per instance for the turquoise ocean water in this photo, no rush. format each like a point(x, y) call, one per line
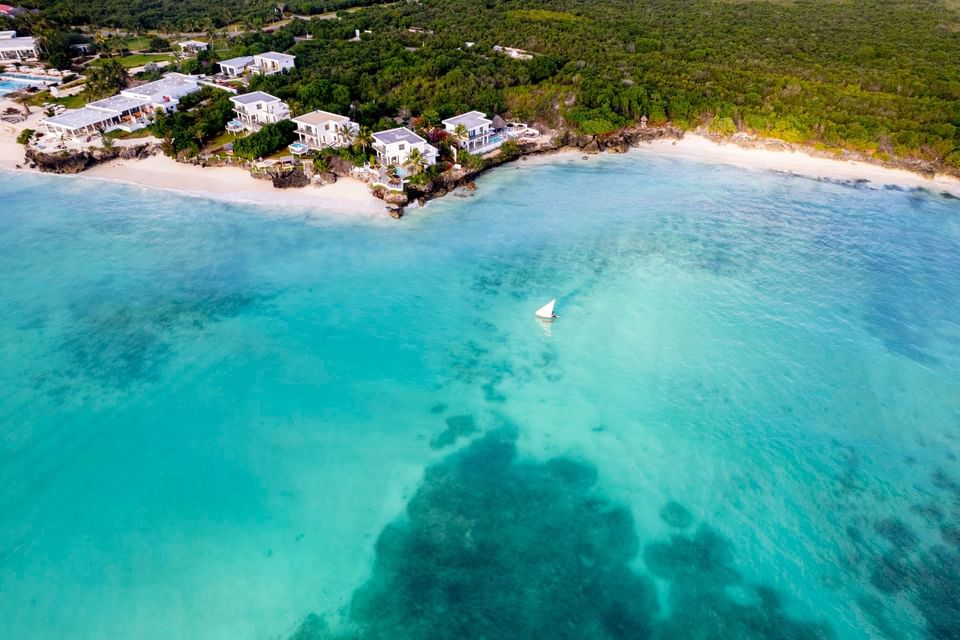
point(220, 422)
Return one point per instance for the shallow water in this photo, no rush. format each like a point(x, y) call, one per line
point(218, 422)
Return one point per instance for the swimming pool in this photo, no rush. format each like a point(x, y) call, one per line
point(10, 82)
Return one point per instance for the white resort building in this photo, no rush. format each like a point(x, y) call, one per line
point(320, 129)
point(14, 48)
point(272, 62)
point(192, 46)
point(131, 109)
point(393, 146)
point(235, 67)
point(265, 64)
point(481, 137)
point(257, 109)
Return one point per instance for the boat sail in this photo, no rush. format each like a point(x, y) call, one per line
point(546, 311)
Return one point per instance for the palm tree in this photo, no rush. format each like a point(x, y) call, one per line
point(415, 161)
point(392, 171)
point(363, 140)
point(459, 134)
point(346, 134)
point(102, 43)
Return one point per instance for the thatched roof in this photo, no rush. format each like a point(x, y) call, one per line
point(499, 123)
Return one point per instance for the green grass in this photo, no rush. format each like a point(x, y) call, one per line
point(70, 102)
point(219, 141)
point(140, 59)
point(136, 43)
point(127, 135)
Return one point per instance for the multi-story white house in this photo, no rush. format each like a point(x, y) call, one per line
point(272, 62)
point(265, 64)
point(258, 108)
point(320, 129)
point(480, 134)
point(14, 48)
point(393, 146)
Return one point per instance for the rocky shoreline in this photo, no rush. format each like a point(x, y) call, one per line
point(552, 142)
point(619, 142)
point(72, 162)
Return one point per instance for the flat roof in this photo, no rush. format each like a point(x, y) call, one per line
point(400, 134)
point(26, 42)
point(254, 96)
point(241, 61)
point(80, 118)
point(273, 55)
point(470, 120)
point(172, 84)
point(319, 117)
point(192, 43)
point(119, 104)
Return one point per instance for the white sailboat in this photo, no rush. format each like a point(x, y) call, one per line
point(546, 311)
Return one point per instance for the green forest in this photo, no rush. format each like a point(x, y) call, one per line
point(877, 76)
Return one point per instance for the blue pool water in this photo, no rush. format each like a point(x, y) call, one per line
point(222, 422)
point(10, 82)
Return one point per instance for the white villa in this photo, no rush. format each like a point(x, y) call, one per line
point(235, 66)
point(192, 46)
point(319, 129)
point(481, 136)
point(272, 62)
point(258, 108)
point(14, 48)
point(266, 64)
point(129, 110)
point(394, 145)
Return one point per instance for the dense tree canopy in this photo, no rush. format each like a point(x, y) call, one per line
point(879, 76)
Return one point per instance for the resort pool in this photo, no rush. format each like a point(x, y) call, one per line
point(28, 78)
point(10, 82)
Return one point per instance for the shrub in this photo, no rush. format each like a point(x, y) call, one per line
point(723, 126)
point(271, 138)
point(509, 149)
point(24, 136)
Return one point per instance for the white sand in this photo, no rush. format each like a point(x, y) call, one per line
point(352, 196)
point(695, 147)
point(231, 184)
point(234, 184)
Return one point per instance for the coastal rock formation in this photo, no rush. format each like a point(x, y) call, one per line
point(395, 201)
point(325, 178)
point(340, 167)
point(292, 179)
point(77, 161)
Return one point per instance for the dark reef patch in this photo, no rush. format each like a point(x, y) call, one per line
point(676, 515)
point(699, 569)
point(457, 427)
point(896, 532)
point(495, 546)
point(500, 548)
point(117, 345)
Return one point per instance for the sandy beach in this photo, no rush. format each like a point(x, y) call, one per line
point(700, 148)
point(232, 184)
point(353, 197)
point(235, 184)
